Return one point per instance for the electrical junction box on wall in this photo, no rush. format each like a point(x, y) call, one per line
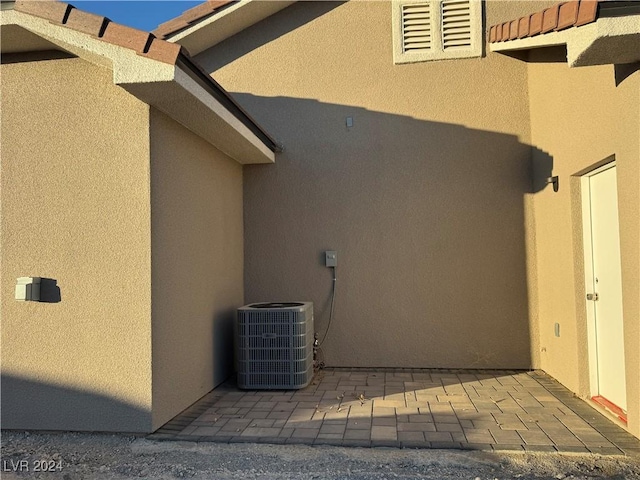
point(331, 258)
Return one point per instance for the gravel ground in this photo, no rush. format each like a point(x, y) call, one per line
point(87, 456)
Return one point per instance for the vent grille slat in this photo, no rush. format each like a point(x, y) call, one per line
point(456, 24)
point(417, 35)
point(416, 27)
point(455, 14)
point(458, 31)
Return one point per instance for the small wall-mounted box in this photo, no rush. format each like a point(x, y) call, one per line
point(28, 289)
point(331, 258)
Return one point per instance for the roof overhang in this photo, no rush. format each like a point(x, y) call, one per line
point(178, 89)
point(608, 40)
point(232, 19)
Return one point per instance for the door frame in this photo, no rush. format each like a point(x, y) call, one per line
point(590, 306)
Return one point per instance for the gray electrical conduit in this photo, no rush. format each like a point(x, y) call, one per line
point(333, 298)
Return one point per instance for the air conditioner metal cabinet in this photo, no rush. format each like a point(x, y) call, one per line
point(274, 345)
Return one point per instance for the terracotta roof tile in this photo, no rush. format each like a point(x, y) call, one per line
point(550, 19)
point(173, 25)
point(587, 13)
point(86, 22)
point(536, 24)
point(492, 34)
point(201, 11)
point(143, 43)
point(164, 52)
point(505, 31)
point(513, 30)
point(523, 27)
point(54, 11)
point(191, 16)
point(573, 13)
point(568, 15)
point(127, 37)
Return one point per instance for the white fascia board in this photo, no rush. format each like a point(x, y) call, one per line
point(244, 133)
point(188, 103)
point(609, 40)
point(206, 33)
point(545, 40)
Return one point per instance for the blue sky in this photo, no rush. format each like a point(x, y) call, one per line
point(141, 14)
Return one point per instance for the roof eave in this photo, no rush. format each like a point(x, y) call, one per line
point(232, 19)
point(608, 40)
point(189, 103)
point(201, 106)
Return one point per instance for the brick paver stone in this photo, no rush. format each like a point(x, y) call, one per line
point(383, 433)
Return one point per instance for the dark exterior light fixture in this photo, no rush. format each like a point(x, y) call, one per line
point(554, 182)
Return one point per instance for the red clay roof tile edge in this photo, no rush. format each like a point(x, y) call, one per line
point(513, 30)
point(535, 27)
point(505, 31)
point(573, 13)
point(190, 17)
point(87, 22)
point(66, 15)
point(523, 26)
point(587, 12)
point(550, 19)
point(568, 14)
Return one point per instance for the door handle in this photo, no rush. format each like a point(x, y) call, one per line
point(592, 296)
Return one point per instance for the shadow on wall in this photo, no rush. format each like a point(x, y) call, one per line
point(624, 71)
point(49, 291)
point(29, 404)
point(541, 169)
point(262, 33)
point(428, 221)
point(223, 341)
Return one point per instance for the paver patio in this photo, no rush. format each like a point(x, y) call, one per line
point(462, 409)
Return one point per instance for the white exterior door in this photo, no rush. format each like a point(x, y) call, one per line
point(604, 285)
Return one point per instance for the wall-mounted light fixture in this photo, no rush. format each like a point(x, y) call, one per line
point(554, 181)
point(28, 289)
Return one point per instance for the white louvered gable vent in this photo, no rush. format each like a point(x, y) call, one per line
point(456, 24)
point(416, 27)
point(426, 30)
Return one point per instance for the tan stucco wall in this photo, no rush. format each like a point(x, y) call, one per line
point(75, 208)
point(197, 265)
point(423, 198)
point(580, 117)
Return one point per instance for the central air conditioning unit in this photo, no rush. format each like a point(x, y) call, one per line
point(274, 345)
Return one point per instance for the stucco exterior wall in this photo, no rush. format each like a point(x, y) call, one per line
point(580, 117)
point(197, 265)
point(423, 198)
point(75, 209)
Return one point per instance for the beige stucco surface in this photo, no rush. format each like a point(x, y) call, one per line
point(197, 265)
point(75, 208)
point(423, 198)
point(580, 117)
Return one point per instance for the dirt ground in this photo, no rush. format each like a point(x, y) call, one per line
point(72, 456)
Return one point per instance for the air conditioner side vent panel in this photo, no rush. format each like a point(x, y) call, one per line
point(274, 345)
